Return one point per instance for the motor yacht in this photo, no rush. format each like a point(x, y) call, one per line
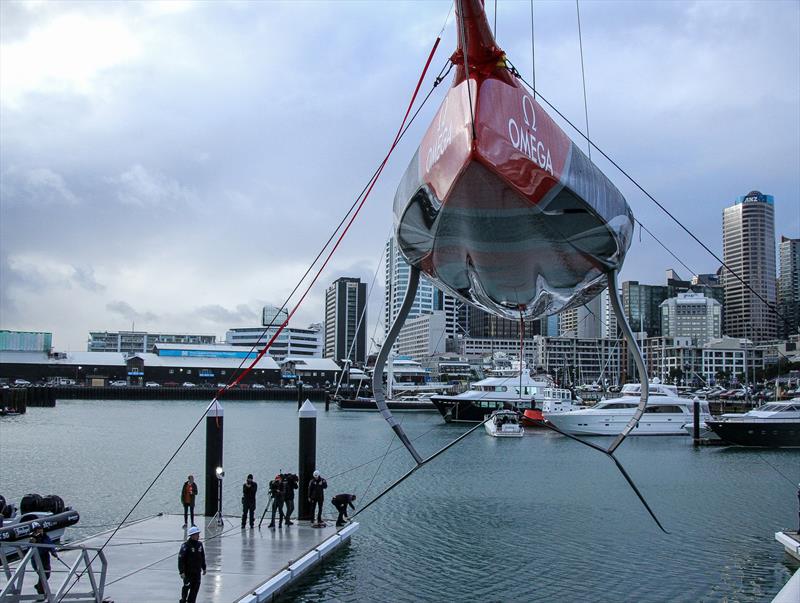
point(666, 413)
point(518, 392)
point(773, 425)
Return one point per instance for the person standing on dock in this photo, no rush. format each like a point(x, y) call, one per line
point(276, 491)
point(39, 537)
point(289, 486)
point(316, 495)
point(188, 495)
point(249, 489)
point(191, 562)
point(341, 501)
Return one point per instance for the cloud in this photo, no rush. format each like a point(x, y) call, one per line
point(84, 277)
point(228, 318)
point(35, 186)
point(142, 188)
point(125, 310)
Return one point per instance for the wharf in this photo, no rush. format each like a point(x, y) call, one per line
point(248, 566)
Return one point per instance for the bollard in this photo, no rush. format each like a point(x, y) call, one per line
point(213, 485)
point(696, 423)
point(327, 401)
point(307, 456)
point(299, 394)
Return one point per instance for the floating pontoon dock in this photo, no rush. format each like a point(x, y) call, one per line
point(248, 566)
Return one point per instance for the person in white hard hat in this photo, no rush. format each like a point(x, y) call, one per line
point(316, 495)
point(191, 562)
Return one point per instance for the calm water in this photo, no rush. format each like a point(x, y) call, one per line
point(537, 519)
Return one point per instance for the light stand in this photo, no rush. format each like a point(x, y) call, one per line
point(218, 515)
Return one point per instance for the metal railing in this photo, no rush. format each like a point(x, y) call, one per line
point(67, 590)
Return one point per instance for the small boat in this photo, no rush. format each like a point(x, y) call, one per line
point(666, 413)
point(773, 425)
point(504, 424)
point(48, 511)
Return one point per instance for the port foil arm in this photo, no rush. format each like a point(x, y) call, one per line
point(378, 387)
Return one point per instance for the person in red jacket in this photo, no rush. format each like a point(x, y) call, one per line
point(188, 494)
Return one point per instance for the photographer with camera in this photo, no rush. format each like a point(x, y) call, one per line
point(276, 491)
point(290, 484)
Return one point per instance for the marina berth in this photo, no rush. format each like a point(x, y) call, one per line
point(666, 413)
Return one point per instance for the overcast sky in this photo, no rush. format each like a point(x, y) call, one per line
point(178, 165)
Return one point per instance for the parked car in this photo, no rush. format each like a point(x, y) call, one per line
point(118, 384)
point(152, 384)
point(188, 384)
point(258, 386)
point(21, 382)
point(170, 384)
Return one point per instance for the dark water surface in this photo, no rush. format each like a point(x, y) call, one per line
point(536, 519)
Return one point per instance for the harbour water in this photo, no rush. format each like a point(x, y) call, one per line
point(535, 519)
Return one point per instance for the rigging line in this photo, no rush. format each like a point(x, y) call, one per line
point(401, 132)
point(669, 251)
point(446, 19)
point(406, 475)
point(686, 229)
point(466, 65)
point(778, 471)
point(383, 458)
point(583, 77)
point(495, 19)
point(533, 53)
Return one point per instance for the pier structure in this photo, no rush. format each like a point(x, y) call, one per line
point(247, 566)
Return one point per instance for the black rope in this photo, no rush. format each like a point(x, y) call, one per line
point(533, 53)
point(668, 250)
point(686, 229)
point(583, 78)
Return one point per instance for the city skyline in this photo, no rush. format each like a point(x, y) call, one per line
point(152, 174)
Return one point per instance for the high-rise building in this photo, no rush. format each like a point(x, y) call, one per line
point(584, 321)
point(691, 315)
point(346, 321)
point(789, 286)
point(748, 249)
point(642, 303)
point(427, 300)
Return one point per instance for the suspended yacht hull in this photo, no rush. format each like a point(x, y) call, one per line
point(501, 209)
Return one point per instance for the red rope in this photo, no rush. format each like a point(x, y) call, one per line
point(374, 180)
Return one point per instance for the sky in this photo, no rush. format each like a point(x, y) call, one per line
point(174, 166)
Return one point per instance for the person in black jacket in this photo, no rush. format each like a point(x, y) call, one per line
point(290, 481)
point(316, 495)
point(188, 495)
point(39, 537)
point(340, 501)
point(191, 562)
point(249, 489)
point(276, 491)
